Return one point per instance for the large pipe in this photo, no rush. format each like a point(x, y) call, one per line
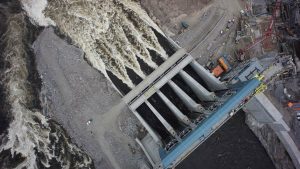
point(180, 116)
point(162, 120)
point(212, 82)
point(155, 137)
point(199, 90)
point(187, 100)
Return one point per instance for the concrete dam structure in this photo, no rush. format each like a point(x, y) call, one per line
point(180, 105)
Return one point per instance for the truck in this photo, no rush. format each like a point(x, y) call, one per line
point(223, 66)
point(223, 62)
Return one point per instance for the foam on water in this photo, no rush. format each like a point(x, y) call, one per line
point(30, 134)
point(34, 9)
point(112, 33)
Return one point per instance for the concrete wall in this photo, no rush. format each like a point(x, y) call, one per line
point(271, 143)
point(265, 120)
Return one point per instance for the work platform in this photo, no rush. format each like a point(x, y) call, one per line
point(181, 104)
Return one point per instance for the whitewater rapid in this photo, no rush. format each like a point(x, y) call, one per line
point(38, 140)
point(112, 33)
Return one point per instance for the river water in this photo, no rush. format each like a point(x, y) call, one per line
point(233, 146)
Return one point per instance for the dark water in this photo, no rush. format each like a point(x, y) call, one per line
point(135, 78)
point(122, 87)
point(167, 114)
point(180, 82)
point(146, 68)
point(154, 122)
point(6, 7)
point(171, 95)
point(195, 76)
point(233, 146)
point(163, 41)
point(4, 113)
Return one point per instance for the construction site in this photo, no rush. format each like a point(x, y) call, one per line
point(210, 63)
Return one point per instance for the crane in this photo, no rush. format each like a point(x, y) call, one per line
point(266, 35)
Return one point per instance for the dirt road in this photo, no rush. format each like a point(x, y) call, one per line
point(204, 37)
point(169, 14)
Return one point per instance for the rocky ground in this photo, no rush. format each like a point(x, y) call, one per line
point(169, 14)
point(206, 19)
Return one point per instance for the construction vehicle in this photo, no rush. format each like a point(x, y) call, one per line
point(223, 66)
point(295, 107)
point(223, 62)
point(217, 71)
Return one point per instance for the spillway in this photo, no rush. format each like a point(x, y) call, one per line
point(188, 104)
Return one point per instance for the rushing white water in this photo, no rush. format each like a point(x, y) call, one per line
point(34, 9)
point(112, 33)
point(30, 134)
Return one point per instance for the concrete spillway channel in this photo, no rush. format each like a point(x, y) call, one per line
point(158, 129)
point(164, 120)
point(198, 89)
point(169, 128)
point(172, 96)
point(177, 98)
point(186, 99)
point(150, 130)
point(180, 116)
point(172, 100)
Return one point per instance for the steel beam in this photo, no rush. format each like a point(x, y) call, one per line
point(212, 82)
point(199, 90)
point(180, 116)
point(187, 100)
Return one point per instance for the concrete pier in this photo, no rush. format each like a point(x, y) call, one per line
point(187, 100)
point(179, 115)
point(153, 134)
point(200, 91)
point(212, 82)
point(162, 120)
